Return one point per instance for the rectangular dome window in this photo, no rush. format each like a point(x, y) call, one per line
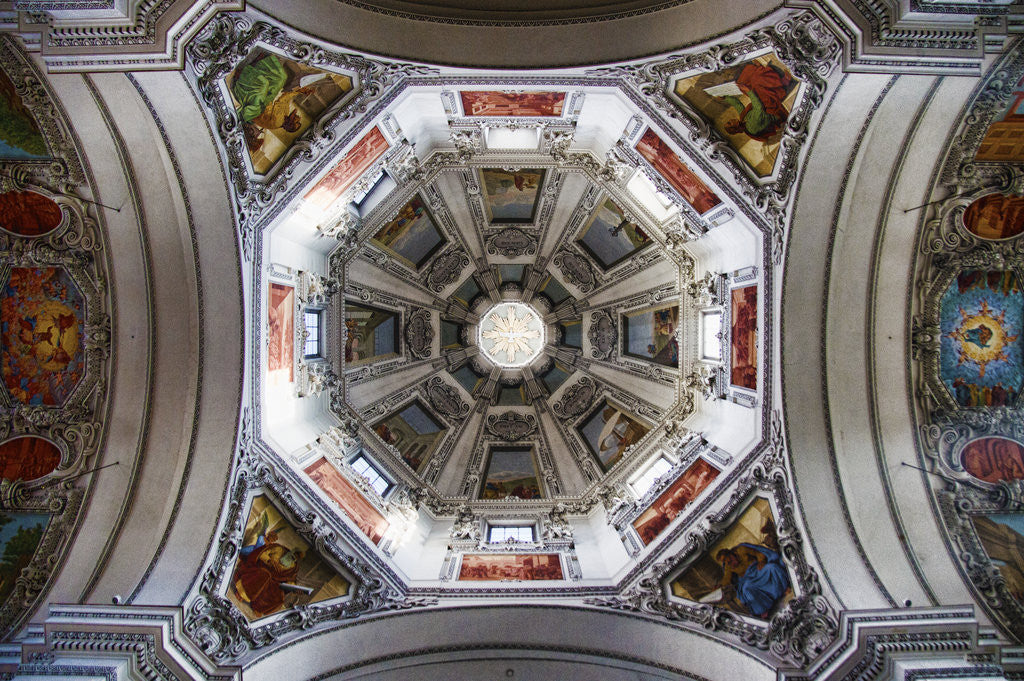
point(646, 481)
point(312, 349)
point(497, 534)
point(370, 473)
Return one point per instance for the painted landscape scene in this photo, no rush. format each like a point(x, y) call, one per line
point(608, 431)
point(673, 500)
point(511, 197)
point(610, 238)
point(413, 432)
point(477, 567)
point(511, 472)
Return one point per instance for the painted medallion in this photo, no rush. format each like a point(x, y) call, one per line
point(28, 213)
point(42, 314)
point(981, 356)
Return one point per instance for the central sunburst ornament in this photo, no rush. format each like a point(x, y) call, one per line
point(982, 337)
point(511, 334)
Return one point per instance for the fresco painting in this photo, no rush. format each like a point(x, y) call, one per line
point(511, 196)
point(608, 431)
point(1004, 139)
point(651, 335)
point(20, 137)
point(280, 334)
point(344, 173)
point(743, 362)
point(743, 571)
point(511, 472)
point(42, 315)
point(673, 500)
point(610, 238)
point(993, 459)
point(276, 569)
point(487, 567)
point(981, 354)
point(995, 216)
point(412, 236)
point(1002, 536)
point(676, 173)
point(277, 100)
point(413, 432)
point(28, 213)
point(364, 514)
point(20, 534)
point(748, 104)
point(493, 103)
point(370, 334)
point(28, 458)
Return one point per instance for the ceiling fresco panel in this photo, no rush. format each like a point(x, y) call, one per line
point(278, 100)
point(749, 104)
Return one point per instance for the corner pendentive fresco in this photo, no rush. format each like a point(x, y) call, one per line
point(20, 534)
point(42, 317)
point(1002, 536)
point(748, 104)
point(743, 571)
point(1004, 139)
point(20, 137)
point(276, 569)
point(277, 100)
point(981, 355)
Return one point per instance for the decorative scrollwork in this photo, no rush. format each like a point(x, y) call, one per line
point(512, 242)
point(419, 334)
point(445, 399)
point(602, 334)
point(576, 399)
point(511, 425)
point(446, 269)
point(576, 269)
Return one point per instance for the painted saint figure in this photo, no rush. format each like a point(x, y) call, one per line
point(263, 568)
point(767, 87)
point(756, 573)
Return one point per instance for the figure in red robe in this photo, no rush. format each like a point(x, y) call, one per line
point(766, 87)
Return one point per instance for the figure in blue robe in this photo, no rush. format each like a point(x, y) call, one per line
point(758, 575)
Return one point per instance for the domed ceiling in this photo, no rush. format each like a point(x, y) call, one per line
point(515, 325)
point(512, 341)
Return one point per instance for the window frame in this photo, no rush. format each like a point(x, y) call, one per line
point(320, 349)
point(511, 525)
point(372, 466)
